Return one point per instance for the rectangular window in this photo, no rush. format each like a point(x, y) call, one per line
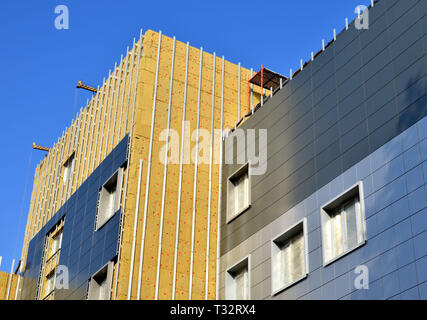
point(50, 261)
point(50, 284)
point(56, 243)
point(289, 257)
point(69, 168)
point(100, 283)
point(109, 198)
point(238, 190)
point(237, 281)
point(342, 224)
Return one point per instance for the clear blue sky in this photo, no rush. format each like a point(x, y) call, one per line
point(40, 65)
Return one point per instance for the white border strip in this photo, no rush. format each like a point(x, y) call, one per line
point(208, 230)
point(193, 222)
point(141, 257)
point(178, 213)
point(162, 213)
point(220, 183)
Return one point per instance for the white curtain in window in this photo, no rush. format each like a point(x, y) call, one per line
point(343, 229)
point(289, 262)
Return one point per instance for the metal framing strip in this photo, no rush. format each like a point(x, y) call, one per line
point(54, 177)
point(70, 147)
point(98, 124)
point(105, 103)
point(111, 109)
point(92, 132)
point(41, 204)
point(129, 157)
point(190, 285)
point(238, 95)
point(162, 212)
point(31, 212)
point(46, 209)
point(220, 183)
point(130, 84)
point(58, 170)
point(178, 213)
point(208, 230)
point(76, 146)
point(9, 283)
point(39, 195)
point(135, 229)
point(89, 113)
point(123, 95)
point(117, 101)
point(141, 258)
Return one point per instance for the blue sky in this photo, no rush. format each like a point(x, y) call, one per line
point(40, 65)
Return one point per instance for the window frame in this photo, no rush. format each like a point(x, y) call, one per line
point(245, 168)
point(67, 176)
point(338, 202)
point(119, 182)
point(230, 282)
point(282, 237)
point(94, 285)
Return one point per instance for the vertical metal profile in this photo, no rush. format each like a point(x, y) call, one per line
point(208, 230)
point(220, 183)
point(127, 171)
point(45, 187)
point(46, 209)
point(9, 283)
point(130, 86)
point(165, 173)
point(38, 213)
point(123, 94)
point(67, 150)
point(135, 226)
point(98, 124)
point(117, 102)
point(59, 169)
point(83, 145)
point(54, 176)
point(141, 258)
point(238, 96)
point(105, 103)
point(193, 222)
point(19, 283)
point(252, 92)
point(92, 133)
point(76, 146)
point(111, 109)
point(73, 145)
point(178, 212)
point(30, 215)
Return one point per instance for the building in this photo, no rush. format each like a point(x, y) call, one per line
point(114, 215)
point(323, 196)
point(344, 195)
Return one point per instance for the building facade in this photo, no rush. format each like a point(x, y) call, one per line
point(125, 204)
point(341, 211)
